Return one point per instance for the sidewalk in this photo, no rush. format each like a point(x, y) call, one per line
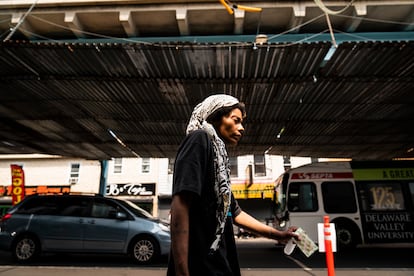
point(65, 271)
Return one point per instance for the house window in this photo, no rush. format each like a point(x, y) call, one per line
point(117, 165)
point(145, 165)
point(74, 173)
point(259, 165)
point(233, 167)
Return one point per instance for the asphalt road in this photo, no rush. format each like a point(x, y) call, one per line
point(254, 254)
point(262, 253)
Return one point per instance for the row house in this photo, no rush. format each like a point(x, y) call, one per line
point(144, 181)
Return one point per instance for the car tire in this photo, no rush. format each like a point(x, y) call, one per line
point(25, 248)
point(144, 249)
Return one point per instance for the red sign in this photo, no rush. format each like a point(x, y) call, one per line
point(18, 191)
point(2, 191)
point(31, 190)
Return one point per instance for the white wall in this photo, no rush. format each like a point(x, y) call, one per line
point(52, 172)
point(132, 173)
point(274, 167)
point(49, 171)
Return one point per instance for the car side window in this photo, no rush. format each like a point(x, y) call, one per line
point(104, 209)
point(39, 206)
point(74, 206)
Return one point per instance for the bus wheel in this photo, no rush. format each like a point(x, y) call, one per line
point(346, 236)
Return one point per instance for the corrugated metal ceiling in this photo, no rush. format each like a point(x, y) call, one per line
point(86, 76)
point(63, 98)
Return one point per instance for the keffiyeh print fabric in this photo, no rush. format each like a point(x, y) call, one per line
point(206, 108)
point(221, 160)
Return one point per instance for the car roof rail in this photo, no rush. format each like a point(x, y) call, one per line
point(67, 194)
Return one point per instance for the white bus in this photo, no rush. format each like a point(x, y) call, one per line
point(369, 202)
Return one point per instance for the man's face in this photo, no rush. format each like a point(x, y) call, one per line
point(231, 128)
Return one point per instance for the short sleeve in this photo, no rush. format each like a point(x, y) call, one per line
point(192, 163)
point(235, 208)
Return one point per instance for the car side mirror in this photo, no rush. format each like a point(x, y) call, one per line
point(121, 215)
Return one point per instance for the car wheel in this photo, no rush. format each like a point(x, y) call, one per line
point(25, 248)
point(144, 249)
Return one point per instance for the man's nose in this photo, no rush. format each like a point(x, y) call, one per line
point(241, 129)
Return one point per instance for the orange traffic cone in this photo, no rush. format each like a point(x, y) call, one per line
point(328, 247)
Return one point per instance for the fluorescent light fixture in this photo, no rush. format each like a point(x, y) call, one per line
point(280, 133)
point(330, 53)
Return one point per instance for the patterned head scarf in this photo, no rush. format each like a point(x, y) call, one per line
point(221, 160)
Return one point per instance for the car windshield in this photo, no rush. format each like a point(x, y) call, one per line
point(138, 211)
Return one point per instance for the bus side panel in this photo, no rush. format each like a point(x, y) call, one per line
point(304, 206)
point(386, 208)
point(308, 222)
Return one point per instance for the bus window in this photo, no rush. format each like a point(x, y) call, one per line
point(302, 197)
point(377, 196)
point(339, 197)
point(411, 185)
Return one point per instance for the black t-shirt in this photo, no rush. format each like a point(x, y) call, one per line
point(194, 172)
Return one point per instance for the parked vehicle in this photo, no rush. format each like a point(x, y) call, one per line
point(370, 202)
point(82, 224)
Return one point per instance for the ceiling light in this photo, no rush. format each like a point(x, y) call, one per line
point(280, 133)
point(8, 144)
point(261, 39)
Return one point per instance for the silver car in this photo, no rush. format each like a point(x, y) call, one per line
point(82, 224)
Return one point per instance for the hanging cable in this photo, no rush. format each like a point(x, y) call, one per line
point(86, 32)
point(13, 30)
point(331, 31)
point(230, 7)
point(227, 6)
point(327, 12)
point(296, 27)
point(247, 8)
point(269, 38)
point(322, 6)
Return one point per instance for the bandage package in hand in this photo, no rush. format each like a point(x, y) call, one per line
point(305, 244)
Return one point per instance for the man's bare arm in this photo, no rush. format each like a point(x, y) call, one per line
point(180, 207)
